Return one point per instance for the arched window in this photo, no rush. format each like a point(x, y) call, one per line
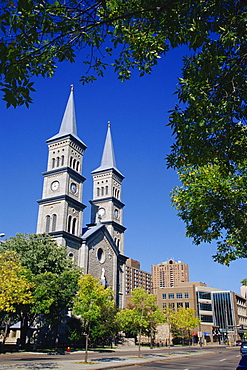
point(106, 190)
point(74, 226)
point(102, 191)
point(58, 160)
point(77, 166)
point(62, 160)
point(98, 193)
point(54, 222)
point(118, 194)
point(70, 162)
point(113, 191)
point(53, 163)
point(47, 224)
point(74, 164)
point(69, 223)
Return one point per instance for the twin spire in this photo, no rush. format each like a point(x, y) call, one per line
point(69, 127)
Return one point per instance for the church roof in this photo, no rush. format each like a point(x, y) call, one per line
point(108, 157)
point(68, 125)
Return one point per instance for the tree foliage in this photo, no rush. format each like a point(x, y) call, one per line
point(15, 289)
point(142, 316)
point(183, 321)
point(214, 207)
point(52, 275)
point(209, 121)
point(95, 305)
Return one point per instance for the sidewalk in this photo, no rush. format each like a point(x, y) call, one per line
point(113, 361)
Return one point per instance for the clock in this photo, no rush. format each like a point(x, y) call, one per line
point(54, 185)
point(101, 212)
point(116, 213)
point(73, 188)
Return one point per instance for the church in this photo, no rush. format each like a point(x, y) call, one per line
point(99, 247)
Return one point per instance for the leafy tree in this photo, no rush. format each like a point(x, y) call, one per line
point(53, 275)
point(143, 315)
point(183, 320)
point(213, 206)
point(92, 303)
point(209, 122)
point(15, 289)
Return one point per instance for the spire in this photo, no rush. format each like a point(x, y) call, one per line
point(68, 125)
point(108, 157)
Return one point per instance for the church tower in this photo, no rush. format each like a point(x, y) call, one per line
point(60, 209)
point(107, 207)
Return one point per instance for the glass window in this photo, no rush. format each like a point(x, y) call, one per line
point(204, 295)
point(164, 305)
point(47, 224)
point(170, 296)
point(206, 318)
point(179, 295)
point(187, 305)
point(171, 306)
point(179, 304)
point(205, 306)
point(163, 296)
point(186, 295)
point(54, 222)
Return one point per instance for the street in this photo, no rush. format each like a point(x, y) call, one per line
point(218, 357)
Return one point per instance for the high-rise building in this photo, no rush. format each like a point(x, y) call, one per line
point(98, 248)
point(169, 274)
point(135, 277)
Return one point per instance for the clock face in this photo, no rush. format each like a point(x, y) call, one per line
point(54, 185)
point(101, 212)
point(73, 188)
point(116, 213)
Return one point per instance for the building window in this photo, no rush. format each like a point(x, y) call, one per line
point(164, 306)
point(204, 295)
point(77, 166)
point(69, 223)
point(54, 222)
point(102, 191)
point(179, 304)
point(74, 226)
point(186, 295)
point(101, 255)
point(98, 192)
point(53, 162)
point(62, 160)
point(179, 295)
point(164, 296)
point(171, 306)
point(187, 305)
point(47, 224)
point(170, 296)
point(205, 306)
point(58, 160)
point(206, 318)
point(106, 190)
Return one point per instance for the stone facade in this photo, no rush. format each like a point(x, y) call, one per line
point(99, 247)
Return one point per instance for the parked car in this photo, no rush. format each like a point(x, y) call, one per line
point(243, 348)
point(243, 363)
point(238, 342)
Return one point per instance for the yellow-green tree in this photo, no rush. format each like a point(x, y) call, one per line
point(91, 304)
point(184, 320)
point(142, 316)
point(15, 288)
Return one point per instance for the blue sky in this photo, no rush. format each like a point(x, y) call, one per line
point(138, 111)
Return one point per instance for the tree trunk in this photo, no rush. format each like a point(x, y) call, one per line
point(139, 344)
point(24, 329)
point(86, 348)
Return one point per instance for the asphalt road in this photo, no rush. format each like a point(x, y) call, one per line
point(221, 359)
point(196, 358)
